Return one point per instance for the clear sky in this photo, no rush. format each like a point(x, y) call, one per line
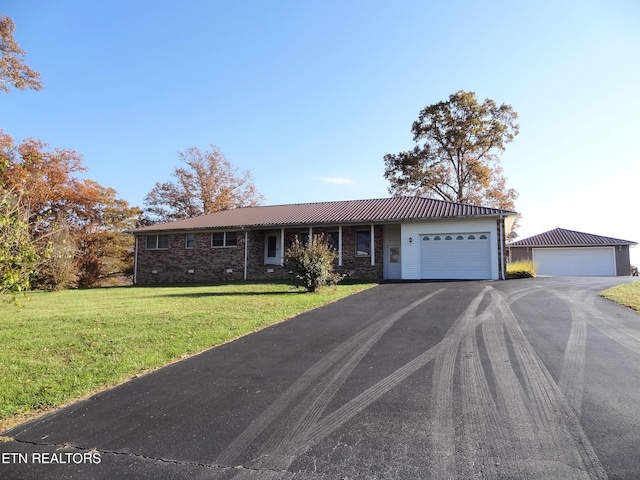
point(309, 96)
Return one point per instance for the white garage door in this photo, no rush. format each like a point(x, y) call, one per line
point(575, 261)
point(455, 256)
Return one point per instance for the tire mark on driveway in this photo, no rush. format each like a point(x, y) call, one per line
point(559, 438)
point(340, 416)
point(312, 406)
point(442, 433)
point(526, 428)
point(571, 380)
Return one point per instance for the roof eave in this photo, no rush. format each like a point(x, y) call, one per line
point(151, 231)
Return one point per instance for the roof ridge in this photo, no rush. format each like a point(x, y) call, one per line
point(404, 197)
point(565, 237)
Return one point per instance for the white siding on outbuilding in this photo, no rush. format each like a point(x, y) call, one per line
point(466, 264)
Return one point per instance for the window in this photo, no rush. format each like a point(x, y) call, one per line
point(272, 244)
point(471, 237)
point(426, 239)
point(190, 240)
point(231, 239)
point(437, 237)
point(448, 237)
point(224, 239)
point(363, 243)
point(334, 240)
point(459, 237)
point(483, 237)
point(304, 238)
point(157, 242)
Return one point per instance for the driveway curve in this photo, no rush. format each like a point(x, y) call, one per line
point(534, 378)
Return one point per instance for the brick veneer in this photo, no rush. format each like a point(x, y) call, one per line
point(204, 264)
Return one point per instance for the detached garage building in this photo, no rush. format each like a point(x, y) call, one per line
point(566, 252)
point(402, 238)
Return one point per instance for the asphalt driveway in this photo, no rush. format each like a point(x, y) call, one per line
point(534, 378)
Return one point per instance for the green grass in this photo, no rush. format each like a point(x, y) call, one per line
point(627, 294)
point(64, 345)
point(521, 269)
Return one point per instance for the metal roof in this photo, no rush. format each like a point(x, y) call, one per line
point(326, 213)
point(568, 238)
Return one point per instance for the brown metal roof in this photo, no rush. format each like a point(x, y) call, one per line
point(568, 238)
point(325, 213)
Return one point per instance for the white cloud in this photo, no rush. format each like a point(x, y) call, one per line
point(338, 180)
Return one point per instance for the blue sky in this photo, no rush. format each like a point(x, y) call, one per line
point(309, 96)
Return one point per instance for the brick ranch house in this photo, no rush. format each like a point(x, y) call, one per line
point(402, 238)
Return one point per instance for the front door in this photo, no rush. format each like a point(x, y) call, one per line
point(272, 254)
point(393, 263)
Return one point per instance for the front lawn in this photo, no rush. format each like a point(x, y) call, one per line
point(627, 294)
point(64, 345)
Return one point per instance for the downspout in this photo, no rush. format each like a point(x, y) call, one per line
point(373, 246)
point(246, 250)
point(340, 245)
point(135, 262)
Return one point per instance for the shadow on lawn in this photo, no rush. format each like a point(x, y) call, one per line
point(230, 294)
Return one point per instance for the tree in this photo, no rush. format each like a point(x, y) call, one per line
point(59, 269)
point(18, 252)
point(456, 156)
point(13, 69)
point(209, 183)
point(104, 251)
point(92, 215)
point(48, 180)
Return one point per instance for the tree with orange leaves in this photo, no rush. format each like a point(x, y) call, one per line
point(13, 69)
point(59, 201)
point(208, 183)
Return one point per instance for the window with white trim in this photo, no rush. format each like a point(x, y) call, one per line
point(190, 240)
point(156, 242)
point(224, 239)
point(363, 243)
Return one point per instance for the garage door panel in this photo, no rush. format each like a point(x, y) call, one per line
point(578, 261)
point(455, 256)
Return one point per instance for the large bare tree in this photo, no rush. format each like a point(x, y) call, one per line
point(207, 184)
point(13, 69)
point(456, 156)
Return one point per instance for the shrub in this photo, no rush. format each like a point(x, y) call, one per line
point(313, 263)
point(521, 269)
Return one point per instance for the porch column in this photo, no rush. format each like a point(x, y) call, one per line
point(246, 253)
point(282, 247)
point(135, 262)
point(373, 247)
point(340, 246)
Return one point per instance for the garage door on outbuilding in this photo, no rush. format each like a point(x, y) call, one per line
point(575, 261)
point(561, 252)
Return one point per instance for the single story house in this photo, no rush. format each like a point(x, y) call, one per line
point(567, 252)
point(401, 238)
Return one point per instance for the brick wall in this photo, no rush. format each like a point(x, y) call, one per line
point(204, 264)
point(173, 265)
